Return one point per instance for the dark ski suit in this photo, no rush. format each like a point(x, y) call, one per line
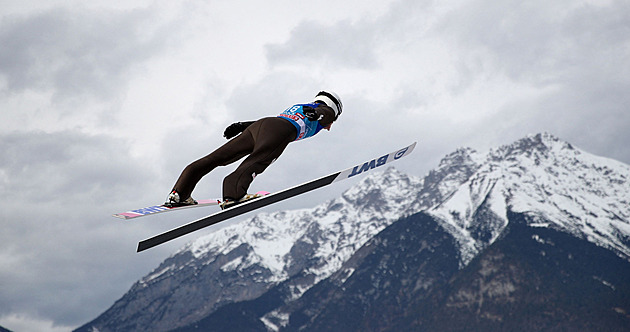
point(263, 140)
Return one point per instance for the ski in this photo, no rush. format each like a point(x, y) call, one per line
point(155, 209)
point(273, 198)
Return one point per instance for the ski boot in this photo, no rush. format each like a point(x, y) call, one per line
point(173, 200)
point(228, 202)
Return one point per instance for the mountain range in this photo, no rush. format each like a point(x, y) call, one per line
point(533, 235)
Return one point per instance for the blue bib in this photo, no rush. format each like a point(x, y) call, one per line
point(305, 127)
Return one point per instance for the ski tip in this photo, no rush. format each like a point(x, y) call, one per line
point(406, 151)
point(403, 152)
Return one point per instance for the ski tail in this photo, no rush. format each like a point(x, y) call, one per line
point(274, 198)
point(155, 209)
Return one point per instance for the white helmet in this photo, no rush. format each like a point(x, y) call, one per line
point(331, 99)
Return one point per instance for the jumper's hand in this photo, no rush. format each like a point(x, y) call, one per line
point(234, 129)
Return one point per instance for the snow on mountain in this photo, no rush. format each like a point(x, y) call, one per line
point(548, 180)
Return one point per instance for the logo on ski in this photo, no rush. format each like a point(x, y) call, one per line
point(374, 163)
point(401, 153)
point(369, 165)
point(151, 209)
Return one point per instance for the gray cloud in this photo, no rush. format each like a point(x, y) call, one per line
point(543, 43)
point(76, 53)
point(342, 44)
point(355, 44)
point(49, 167)
point(576, 52)
point(58, 241)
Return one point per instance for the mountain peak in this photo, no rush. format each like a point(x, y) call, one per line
point(541, 145)
point(461, 156)
point(385, 185)
point(544, 178)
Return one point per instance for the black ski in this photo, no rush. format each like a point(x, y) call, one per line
point(273, 198)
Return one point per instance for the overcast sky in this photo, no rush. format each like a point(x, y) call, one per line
point(104, 102)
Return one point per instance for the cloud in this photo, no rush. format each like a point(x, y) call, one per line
point(543, 42)
point(342, 44)
point(353, 44)
point(58, 241)
point(77, 53)
point(52, 167)
point(21, 323)
point(574, 53)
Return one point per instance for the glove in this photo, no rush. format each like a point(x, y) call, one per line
point(235, 129)
point(310, 113)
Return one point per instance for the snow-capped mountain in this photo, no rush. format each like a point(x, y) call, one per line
point(274, 270)
point(547, 179)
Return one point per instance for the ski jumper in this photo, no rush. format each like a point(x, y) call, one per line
point(262, 142)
